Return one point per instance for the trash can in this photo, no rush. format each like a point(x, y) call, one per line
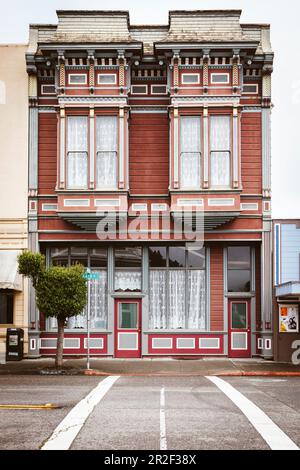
point(14, 344)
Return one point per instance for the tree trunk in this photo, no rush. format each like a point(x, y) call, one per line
point(60, 342)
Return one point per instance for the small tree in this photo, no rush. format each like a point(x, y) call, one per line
point(60, 292)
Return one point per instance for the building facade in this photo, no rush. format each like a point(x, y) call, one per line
point(150, 164)
point(286, 288)
point(13, 189)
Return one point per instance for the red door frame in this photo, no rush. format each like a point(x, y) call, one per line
point(134, 353)
point(243, 353)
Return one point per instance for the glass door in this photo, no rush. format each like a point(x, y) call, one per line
point(128, 328)
point(239, 329)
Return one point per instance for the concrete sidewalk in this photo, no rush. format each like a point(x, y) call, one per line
point(153, 366)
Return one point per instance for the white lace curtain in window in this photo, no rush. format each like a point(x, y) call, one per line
point(158, 301)
point(176, 299)
point(107, 143)
point(98, 305)
point(220, 133)
point(190, 148)
point(196, 299)
point(128, 280)
point(77, 154)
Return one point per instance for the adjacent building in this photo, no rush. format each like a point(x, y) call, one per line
point(135, 133)
point(286, 288)
point(13, 188)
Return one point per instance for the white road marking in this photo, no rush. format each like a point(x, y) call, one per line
point(162, 421)
point(269, 431)
point(67, 430)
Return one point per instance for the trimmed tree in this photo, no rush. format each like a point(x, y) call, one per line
point(61, 292)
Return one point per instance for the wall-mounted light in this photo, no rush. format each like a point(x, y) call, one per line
point(161, 62)
point(136, 62)
point(48, 63)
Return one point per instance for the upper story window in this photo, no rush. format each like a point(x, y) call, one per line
point(77, 79)
point(106, 145)
point(251, 89)
point(190, 152)
point(77, 152)
point(139, 90)
point(220, 78)
point(190, 78)
point(159, 89)
point(48, 90)
point(107, 79)
point(220, 151)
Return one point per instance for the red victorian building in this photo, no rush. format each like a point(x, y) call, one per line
point(137, 136)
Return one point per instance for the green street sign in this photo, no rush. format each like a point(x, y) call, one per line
point(89, 276)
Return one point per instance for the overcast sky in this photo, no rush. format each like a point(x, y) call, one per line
point(284, 18)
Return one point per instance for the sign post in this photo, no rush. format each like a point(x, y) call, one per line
point(89, 276)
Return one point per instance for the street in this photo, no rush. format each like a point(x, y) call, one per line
point(136, 413)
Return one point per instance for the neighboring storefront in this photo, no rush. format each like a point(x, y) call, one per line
point(13, 189)
point(150, 134)
point(286, 304)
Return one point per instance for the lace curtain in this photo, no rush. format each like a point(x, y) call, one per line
point(128, 280)
point(220, 134)
point(196, 299)
point(161, 317)
point(158, 301)
point(77, 159)
point(106, 138)
point(98, 305)
point(190, 148)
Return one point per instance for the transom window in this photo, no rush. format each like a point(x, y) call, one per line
point(177, 288)
point(239, 268)
point(190, 78)
point(190, 152)
point(128, 268)
point(107, 79)
point(77, 152)
point(221, 78)
point(220, 151)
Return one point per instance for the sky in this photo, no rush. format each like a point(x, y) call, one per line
point(285, 34)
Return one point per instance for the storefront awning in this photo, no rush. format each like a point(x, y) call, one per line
point(9, 276)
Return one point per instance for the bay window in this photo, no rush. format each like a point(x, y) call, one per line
point(190, 152)
point(77, 152)
point(177, 288)
point(220, 151)
point(106, 148)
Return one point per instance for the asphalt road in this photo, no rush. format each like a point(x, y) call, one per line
point(137, 413)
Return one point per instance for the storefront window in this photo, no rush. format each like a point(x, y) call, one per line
point(128, 269)
point(79, 255)
point(177, 291)
point(239, 269)
point(6, 307)
point(60, 256)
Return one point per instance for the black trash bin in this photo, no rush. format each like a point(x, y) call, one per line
point(14, 344)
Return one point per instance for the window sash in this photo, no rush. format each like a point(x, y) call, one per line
point(77, 152)
point(220, 169)
point(107, 151)
point(77, 170)
point(190, 152)
point(190, 170)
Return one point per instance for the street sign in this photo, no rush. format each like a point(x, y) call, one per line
point(89, 276)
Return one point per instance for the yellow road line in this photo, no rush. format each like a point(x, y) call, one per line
point(47, 406)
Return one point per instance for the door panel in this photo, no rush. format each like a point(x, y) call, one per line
point(128, 328)
point(239, 328)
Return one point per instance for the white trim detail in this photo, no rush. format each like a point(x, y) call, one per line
point(70, 82)
point(221, 202)
point(197, 75)
point(49, 207)
point(43, 92)
point(249, 206)
point(156, 86)
point(145, 87)
point(211, 340)
point(76, 202)
point(260, 343)
point(240, 333)
point(268, 343)
point(250, 92)
point(159, 207)
point(99, 75)
point(185, 339)
point(32, 344)
point(107, 202)
point(190, 202)
point(101, 341)
point(155, 343)
point(214, 75)
point(131, 333)
point(136, 207)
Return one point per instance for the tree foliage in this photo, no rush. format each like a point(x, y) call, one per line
point(32, 265)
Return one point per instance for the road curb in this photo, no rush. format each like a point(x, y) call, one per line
point(194, 374)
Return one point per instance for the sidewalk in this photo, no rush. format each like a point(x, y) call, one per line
point(154, 366)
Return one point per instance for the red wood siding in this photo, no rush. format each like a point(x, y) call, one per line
point(251, 153)
point(216, 288)
point(47, 153)
point(149, 153)
point(258, 288)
